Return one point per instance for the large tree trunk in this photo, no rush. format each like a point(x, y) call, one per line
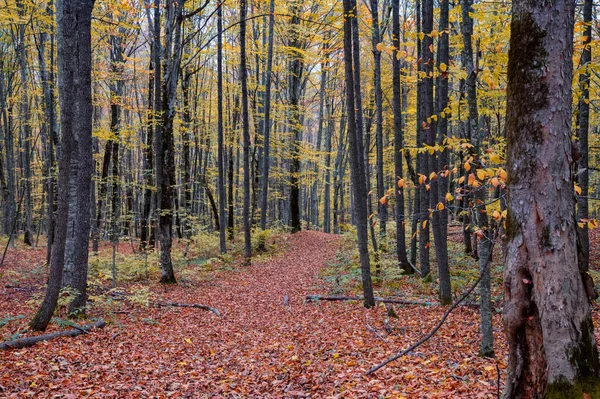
point(547, 316)
point(74, 66)
point(165, 152)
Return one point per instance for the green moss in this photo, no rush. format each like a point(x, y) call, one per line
point(584, 358)
point(563, 389)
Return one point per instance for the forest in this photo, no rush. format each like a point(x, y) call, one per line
point(299, 199)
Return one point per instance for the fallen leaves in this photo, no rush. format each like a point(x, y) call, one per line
point(259, 348)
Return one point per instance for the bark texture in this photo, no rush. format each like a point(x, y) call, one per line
point(547, 316)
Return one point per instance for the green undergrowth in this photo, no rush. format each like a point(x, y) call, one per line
point(343, 275)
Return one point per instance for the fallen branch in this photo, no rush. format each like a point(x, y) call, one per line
point(30, 341)
point(187, 305)
point(316, 298)
point(441, 322)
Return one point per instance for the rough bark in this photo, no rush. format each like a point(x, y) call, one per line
point(547, 315)
point(74, 66)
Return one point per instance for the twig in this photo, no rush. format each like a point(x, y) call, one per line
point(374, 331)
point(441, 322)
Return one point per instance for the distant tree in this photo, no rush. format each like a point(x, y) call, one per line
point(547, 316)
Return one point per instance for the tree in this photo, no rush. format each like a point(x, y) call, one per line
point(245, 132)
point(547, 316)
point(74, 74)
point(267, 125)
point(583, 126)
point(220, 133)
point(439, 186)
point(398, 145)
point(355, 139)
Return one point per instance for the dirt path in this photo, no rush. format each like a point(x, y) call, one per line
point(260, 348)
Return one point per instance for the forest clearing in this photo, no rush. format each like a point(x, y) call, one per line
point(322, 198)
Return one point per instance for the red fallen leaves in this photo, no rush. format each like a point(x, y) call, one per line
point(260, 348)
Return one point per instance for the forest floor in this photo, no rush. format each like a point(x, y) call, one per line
point(269, 343)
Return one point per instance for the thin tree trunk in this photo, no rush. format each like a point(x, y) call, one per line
point(355, 139)
point(245, 132)
point(398, 146)
point(439, 186)
point(583, 127)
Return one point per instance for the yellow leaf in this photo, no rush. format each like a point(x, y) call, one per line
point(467, 166)
point(488, 368)
point(400, 183)
point(577, 189)
point(592, 224)
point(424, 224)
point(449, 197)
point(471, 180)
point(422, 179)
point(440, 206)
point(461, 180)
point(495, 181)
point(294, 358)
point(481, 174)
point(383, 200)
point(443, 67)
point(432, 176)
point(379, 46)
point(502, 173)
point(189, 341)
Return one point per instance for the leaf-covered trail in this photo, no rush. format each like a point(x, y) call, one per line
point(261, 347)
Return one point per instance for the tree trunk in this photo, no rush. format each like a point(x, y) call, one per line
point(355, 139)
point(245, 133)
point(382, 200)
point(583, 127)
point(398, 146)
point(220, 134)
point(476, 136)
point(439, 187)
point(74, 66)
point(547, 316)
